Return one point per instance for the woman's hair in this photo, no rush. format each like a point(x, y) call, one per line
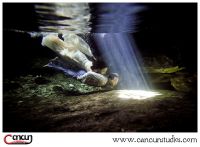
point(113, 79)
point(113, 75)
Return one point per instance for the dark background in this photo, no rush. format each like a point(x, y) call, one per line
point(164, 28)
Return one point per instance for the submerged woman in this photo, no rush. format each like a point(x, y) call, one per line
point(73, 61)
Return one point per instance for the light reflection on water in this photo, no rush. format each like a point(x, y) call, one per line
point(81, 18)
point(64, 17)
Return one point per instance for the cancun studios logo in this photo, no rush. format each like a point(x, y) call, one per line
point(18, 139)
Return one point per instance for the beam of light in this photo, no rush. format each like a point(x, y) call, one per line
point(120, 54)
point(137, 94)
point(116, 17)
point(117, 45)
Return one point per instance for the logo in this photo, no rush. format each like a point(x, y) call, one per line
point(18, 139)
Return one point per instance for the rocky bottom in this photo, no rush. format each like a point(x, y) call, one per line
point(38, 104)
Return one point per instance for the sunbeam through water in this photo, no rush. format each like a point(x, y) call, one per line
point(115, 40)
point(120, 53)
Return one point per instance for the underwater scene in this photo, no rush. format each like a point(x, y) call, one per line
point(99, 67)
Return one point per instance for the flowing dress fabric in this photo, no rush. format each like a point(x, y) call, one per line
point(67, 69)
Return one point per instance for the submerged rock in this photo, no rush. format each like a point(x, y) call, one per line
point(158, 61)
point(184, 83)
point(41, 80)
point(161, 81)
point(166, 70)
point(71, 85)
point(58, 88)
point(56, 84)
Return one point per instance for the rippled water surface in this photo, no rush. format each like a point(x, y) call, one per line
point(86, 18)
point(64, 17)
